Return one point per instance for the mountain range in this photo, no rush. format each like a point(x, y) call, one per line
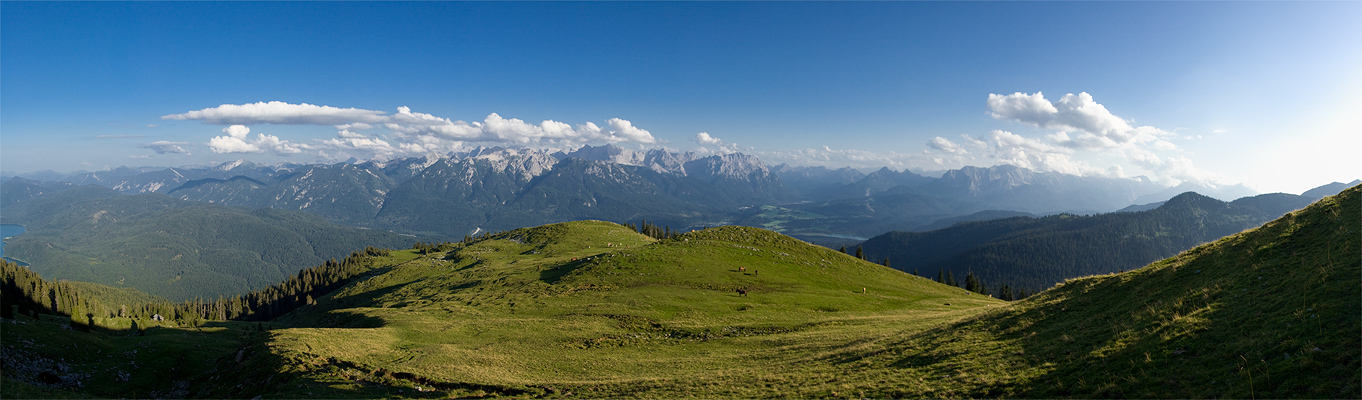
point(505, 188)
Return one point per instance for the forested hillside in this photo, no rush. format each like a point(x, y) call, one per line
point(1036, 253)
point(175, 248)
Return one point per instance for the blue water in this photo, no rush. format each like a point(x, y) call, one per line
point(7, 231)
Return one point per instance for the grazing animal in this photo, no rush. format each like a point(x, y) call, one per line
point(742, 292)
point(742, 269)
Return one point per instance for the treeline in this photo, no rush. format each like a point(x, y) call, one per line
point(971, 283)
point(975, 284)
point(653, 231)
point(432, 247)
point(25, 292)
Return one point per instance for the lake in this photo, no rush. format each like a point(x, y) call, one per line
point(7, 231)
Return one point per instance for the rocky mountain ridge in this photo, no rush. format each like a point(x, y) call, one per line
point(497, 188)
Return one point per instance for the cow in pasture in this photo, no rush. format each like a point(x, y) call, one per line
point(742, 292)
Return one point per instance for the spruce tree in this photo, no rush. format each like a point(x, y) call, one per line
point(860, 253)
point(843, 250)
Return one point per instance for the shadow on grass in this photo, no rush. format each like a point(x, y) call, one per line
point(555, 274)
point(1272, 313)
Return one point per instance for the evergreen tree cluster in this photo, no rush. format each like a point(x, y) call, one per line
point(27, 292)
point(656, 232)
point(30, 294)
point(426, 248)
point(975, 284)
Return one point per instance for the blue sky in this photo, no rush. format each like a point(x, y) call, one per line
point(1260, 93)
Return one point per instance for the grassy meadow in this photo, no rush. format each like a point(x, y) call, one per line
point(592, 309)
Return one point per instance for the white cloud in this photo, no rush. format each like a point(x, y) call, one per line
point(1021, 107)
point(1082, 129)
point(1013, 149)
point(278, 112)
point(375, 145)
point(861, 159)
point(704, 139)
point(946, 145)
point(410, 133)
point(237, 131)
point(710, 144)
point(498, 129)
point(359, 126)
point(164, 147)
point(626, 132)
point(1100, 128)
point(236, 141)
point(1175, 169)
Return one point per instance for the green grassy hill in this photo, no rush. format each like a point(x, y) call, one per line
point(593, 309)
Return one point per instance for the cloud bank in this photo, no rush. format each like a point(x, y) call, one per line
point(1081, 128)
point(711, 144)
point(237, 140)
point(278, 112)
point(407, 132)
point(164, 147)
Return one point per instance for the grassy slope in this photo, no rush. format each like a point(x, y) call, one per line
point(631, 316)
point(1271, 312)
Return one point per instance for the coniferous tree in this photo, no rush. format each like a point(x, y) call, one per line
point(950, 279)
point(843, 250)
point(860, 253)
point(940, 276)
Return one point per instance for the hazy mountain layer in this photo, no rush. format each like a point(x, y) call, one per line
point(505, 188)
point(175, 248)
point(1036, 253)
